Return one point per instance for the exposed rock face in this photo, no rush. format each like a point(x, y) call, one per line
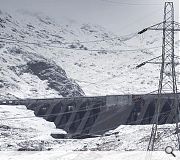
point(25, 74)
point(56, 78)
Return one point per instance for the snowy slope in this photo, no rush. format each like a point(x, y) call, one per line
point(24, 133)
point(97, 72)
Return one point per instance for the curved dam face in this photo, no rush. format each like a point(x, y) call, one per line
point(96, 115)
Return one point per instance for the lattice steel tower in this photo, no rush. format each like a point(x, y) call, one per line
point(167, 81)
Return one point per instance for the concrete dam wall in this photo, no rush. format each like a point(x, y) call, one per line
point(96, 115)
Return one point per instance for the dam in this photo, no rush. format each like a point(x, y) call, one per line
point(97, 115)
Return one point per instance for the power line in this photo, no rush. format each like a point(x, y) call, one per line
point(81, 110)
point(121, 28)
point(53, 114)
point(77, 49)
point(124, 109)
point(91, 83)
point(139, 120)
point(130, 123)
point(105, 39)
point(73, 111)
point(80, 42)
point(45, 44)
point(93, 41)
point(110, 78)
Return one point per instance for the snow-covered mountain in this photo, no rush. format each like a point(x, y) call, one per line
point(43, 58)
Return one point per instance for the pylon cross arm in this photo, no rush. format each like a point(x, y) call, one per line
point(159, 26)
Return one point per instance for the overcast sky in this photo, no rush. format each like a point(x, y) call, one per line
point(111, 14)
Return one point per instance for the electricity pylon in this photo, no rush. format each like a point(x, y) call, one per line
point(167, 72)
